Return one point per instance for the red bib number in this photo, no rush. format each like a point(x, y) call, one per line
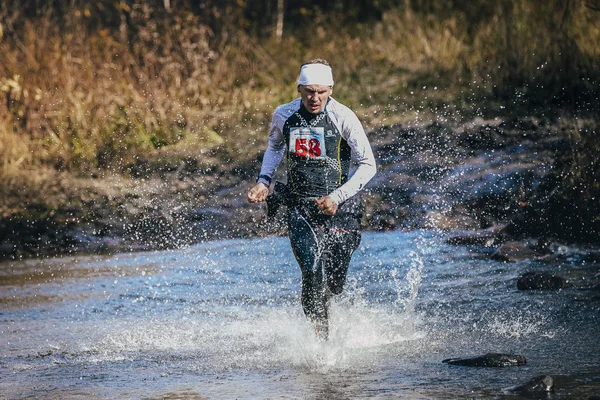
point(308, 142)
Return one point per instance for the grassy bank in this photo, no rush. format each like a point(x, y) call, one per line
point(91, 96)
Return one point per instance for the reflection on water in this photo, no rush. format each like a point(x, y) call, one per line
point(223, 320)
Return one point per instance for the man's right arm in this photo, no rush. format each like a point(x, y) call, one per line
point(271, 160)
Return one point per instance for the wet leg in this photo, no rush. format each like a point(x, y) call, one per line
point(307, 246)
point(341, 247)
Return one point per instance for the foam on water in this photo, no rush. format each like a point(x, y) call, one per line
point(257, 338)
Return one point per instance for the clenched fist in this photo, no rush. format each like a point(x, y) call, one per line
point(327, 204)
point(258, 193)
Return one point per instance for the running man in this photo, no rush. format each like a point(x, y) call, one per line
point(320, 138)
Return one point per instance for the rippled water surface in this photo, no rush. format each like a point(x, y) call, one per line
point(222, 320)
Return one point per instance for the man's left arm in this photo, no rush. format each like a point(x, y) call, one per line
point(355, 136)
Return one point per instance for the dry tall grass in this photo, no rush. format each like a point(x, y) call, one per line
point(81, 98)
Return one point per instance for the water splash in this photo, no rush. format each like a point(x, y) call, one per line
point(518, 326)
point(259, 338)
point(413, 278)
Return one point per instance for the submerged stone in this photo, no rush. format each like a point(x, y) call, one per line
point(448, 221)
point(514, 251)
point(539, 384)
point(481, 237)
point(488, 360)
point(540, 281)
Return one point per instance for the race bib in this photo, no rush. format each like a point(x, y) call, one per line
point(308, 142)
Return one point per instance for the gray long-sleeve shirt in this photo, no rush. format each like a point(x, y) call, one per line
point(351, 130)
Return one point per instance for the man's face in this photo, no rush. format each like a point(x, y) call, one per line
point(314, 97)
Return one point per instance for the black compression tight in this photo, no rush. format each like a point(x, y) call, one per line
point(324, 256)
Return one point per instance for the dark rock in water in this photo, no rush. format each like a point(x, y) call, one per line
point(519, 124)
point(540, 281)
point(447, 222)
point(488, 360)
point(539, 384)
point(514, 251)
point(481, 237)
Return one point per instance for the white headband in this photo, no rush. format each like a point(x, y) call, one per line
point(315, 74)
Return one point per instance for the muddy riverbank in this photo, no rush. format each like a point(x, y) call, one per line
point(479, 176)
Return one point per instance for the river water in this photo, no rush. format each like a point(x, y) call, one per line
point(222, 320)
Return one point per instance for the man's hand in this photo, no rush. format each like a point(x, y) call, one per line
point(327, 204)
point(258, 193)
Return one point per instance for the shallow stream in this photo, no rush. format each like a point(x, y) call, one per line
point(222, 320)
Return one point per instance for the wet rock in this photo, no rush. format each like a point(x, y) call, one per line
point(437, 166)
point(482, 137)
point(488, 360)
point(540, 281)
point(394, 187)
point(6, 247)
point(448, 222)
point(208, 214)
point(514, 251)
point(519, 124)
point(383, 222)
point(537, 385)
point(482, 237)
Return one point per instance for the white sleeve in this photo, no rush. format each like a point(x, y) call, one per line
point(274, 153)
point(362, 155)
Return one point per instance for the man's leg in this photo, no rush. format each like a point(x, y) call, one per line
point(307, 244)
point(341, 245)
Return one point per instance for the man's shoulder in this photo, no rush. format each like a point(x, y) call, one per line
point(287, 110)
point(339, 110)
